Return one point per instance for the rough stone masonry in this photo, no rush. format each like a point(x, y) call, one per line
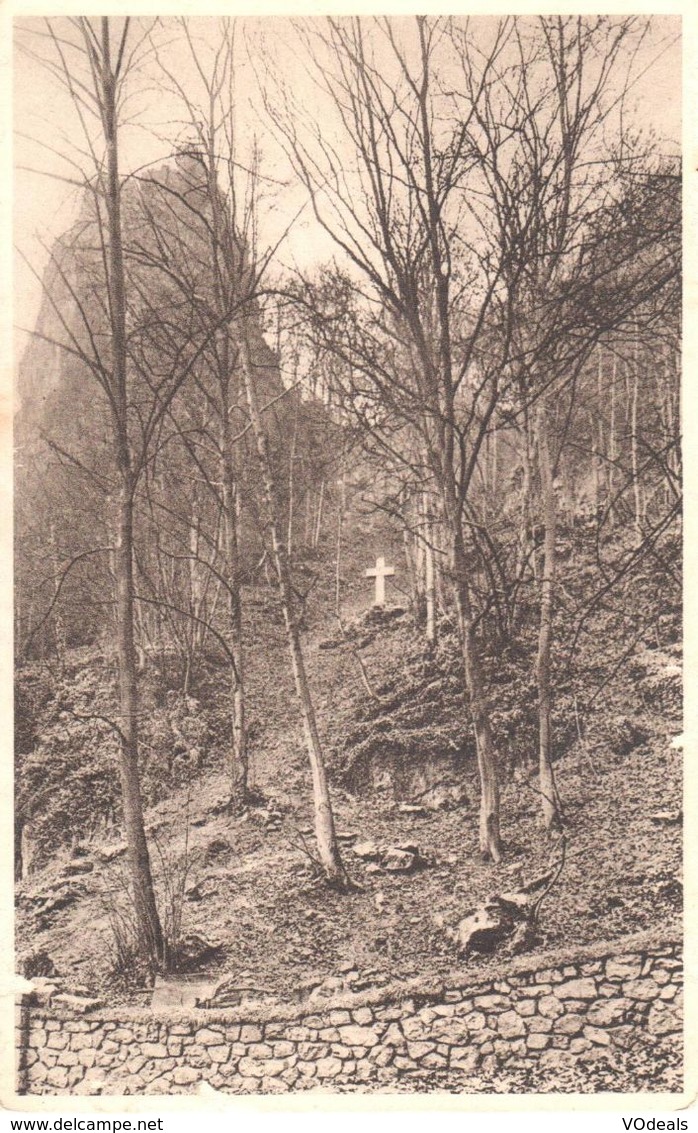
point(547, 1014)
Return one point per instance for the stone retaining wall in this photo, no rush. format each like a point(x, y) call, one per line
point(540, 1021)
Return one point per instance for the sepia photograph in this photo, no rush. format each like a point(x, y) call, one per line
point(348, 680)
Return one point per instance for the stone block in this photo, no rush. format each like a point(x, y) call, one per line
point(434, 1061)
point(416, 1029)
point(58, 1077)
point(58, 1040)
point(307, 1069)
point(661, 977)
point(394, 1036)
point(577, 989)
point(488, 1002)
point(550, 1006)
point(578, 1045)
point(363, 1016)
point(664, 1018)
point(208, 1035)
point(526, 1007)
point(185, 1075)
point(75, 1074)
point(540, 1025)
point(250, 1033)
point(309, 1051)
point(259, 1050)
point(274, 1085)
point(383, 1056)
point(87, 1057)
point(283, 1049)
point(152, 1050)
point(464, 1058)
point(597, 1036)
point(219, 1054)
point(549, 976)
point(606, 1012)
point(261, 1068)
point(453, 1031)
point(569, 1024)
point(626, 969)
point(401, 1062)
point(417, 1050)
point(592, 968)
point(390, 1013)
point(68, 1058)
point(357, 1036)
point(640, 989)
point(537, 1041)
point(329, 1067)
point(511, 1025)
point(339, 1018)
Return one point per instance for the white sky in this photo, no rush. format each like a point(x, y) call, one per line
point(44, 206)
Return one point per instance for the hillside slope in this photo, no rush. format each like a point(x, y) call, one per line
point(249, 886)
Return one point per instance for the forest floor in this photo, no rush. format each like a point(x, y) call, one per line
point(248, 882)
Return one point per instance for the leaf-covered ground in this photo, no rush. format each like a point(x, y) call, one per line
point(249, 884)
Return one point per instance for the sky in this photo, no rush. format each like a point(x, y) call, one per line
point(47, 132)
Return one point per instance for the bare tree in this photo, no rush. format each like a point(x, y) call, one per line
point(225, 199)
point(386, 181)
point(544, 133)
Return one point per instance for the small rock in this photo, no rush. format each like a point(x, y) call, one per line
point(367, 851)
point(115, 850)
point(397, 860)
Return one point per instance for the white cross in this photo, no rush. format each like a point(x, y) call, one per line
point(380, 572)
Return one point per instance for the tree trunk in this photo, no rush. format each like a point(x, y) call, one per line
point(325, 834)
point(637, 498)
point(239, 758)
point(148, 922)
point(149, 927)
point(429, 577)
point(549, 796)
point(490, 839)
point(318, 521)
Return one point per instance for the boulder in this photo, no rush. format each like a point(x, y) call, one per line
point(397, 860)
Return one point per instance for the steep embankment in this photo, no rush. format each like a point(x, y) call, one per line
point(248, 883)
